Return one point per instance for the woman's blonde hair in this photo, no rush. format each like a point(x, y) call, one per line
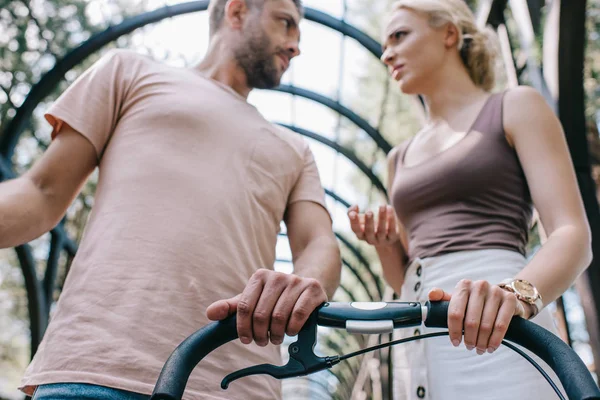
point(476, 46)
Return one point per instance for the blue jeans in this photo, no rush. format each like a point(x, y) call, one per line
point(83, 391)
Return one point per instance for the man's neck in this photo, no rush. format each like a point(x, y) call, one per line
point(220, 65)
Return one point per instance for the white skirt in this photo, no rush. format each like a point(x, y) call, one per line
point(434, 369)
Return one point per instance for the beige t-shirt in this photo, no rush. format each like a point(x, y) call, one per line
point(192, 188)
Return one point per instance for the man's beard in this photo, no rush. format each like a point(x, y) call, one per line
point(258, 61)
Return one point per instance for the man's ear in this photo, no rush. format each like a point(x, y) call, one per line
point(236, 12)
point(450, 35)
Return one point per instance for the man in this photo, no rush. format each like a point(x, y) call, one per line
point(193, 186)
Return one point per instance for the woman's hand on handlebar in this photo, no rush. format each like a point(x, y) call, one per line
point(378, 231)
point(483, 310)
point(273, 304)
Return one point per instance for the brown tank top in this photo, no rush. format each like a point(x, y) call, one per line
point(471, 196)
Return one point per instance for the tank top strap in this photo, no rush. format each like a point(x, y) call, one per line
point(490, 118)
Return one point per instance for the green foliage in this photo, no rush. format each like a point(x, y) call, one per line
point(34, 34)
point(592, 62)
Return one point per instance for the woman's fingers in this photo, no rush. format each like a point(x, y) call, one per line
point(392, 233)
point(488, 319)
point(473, 316)
point(482, 312)
point(381, 229)
point(457, 309)
point(355, 222)
point(370, 228)
point(374, 229)
point(508, 309)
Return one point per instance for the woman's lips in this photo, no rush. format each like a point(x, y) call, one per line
point(398, 69)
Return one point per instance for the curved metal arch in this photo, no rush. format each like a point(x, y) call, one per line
point(39, 294)
point(357, 120)
point(357, 275)
point(358, 278)
point(345, 262)
point(361, 258)
point(355, 251)
point(36, 301)
point(341, 287)
point(337, 198)
point(346, 291)
point(349, 154)
point(39, 91)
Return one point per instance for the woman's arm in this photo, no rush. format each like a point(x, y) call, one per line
point(482, 308)
point(540, 143)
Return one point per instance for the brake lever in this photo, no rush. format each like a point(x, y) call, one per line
point(303, 360)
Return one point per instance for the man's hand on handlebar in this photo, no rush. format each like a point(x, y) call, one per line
point(273, 304)
point(483, 310)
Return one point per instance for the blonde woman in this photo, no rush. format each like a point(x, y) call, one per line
point(462, 192)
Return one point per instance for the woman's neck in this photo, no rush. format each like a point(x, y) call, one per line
point(452, 93)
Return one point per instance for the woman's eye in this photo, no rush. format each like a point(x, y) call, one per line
point(400, 34)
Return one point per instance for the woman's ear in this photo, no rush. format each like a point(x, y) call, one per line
point(450, 35)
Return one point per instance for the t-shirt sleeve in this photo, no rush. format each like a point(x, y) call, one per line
point(308, 185)
point(91, 105)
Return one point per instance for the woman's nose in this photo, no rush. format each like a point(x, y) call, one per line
point(387, 57)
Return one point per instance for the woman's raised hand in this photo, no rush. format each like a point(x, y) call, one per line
point(379, 231)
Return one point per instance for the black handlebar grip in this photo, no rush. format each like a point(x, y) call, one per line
point(570, 369)
point(176, 371)
point(437, 314)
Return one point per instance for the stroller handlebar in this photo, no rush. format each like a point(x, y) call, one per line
point(376, 317)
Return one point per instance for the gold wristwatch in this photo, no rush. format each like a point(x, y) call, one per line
point(525, 292)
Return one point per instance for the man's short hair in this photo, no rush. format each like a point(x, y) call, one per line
point(217, 11)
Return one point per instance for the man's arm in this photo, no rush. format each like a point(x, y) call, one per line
point(314, 248)
point(34, 203)
point(274, 303)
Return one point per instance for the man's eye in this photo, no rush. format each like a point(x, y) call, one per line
point(286, 23)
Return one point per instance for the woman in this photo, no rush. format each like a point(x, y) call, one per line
point(462, 192)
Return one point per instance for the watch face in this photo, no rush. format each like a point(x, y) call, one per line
point(524, 288)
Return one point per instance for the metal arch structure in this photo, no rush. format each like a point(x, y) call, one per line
point(10, 135)
point(559, 78)
point(39, 292)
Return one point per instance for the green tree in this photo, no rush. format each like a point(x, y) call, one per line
point(33, 36)
point(592, 63)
